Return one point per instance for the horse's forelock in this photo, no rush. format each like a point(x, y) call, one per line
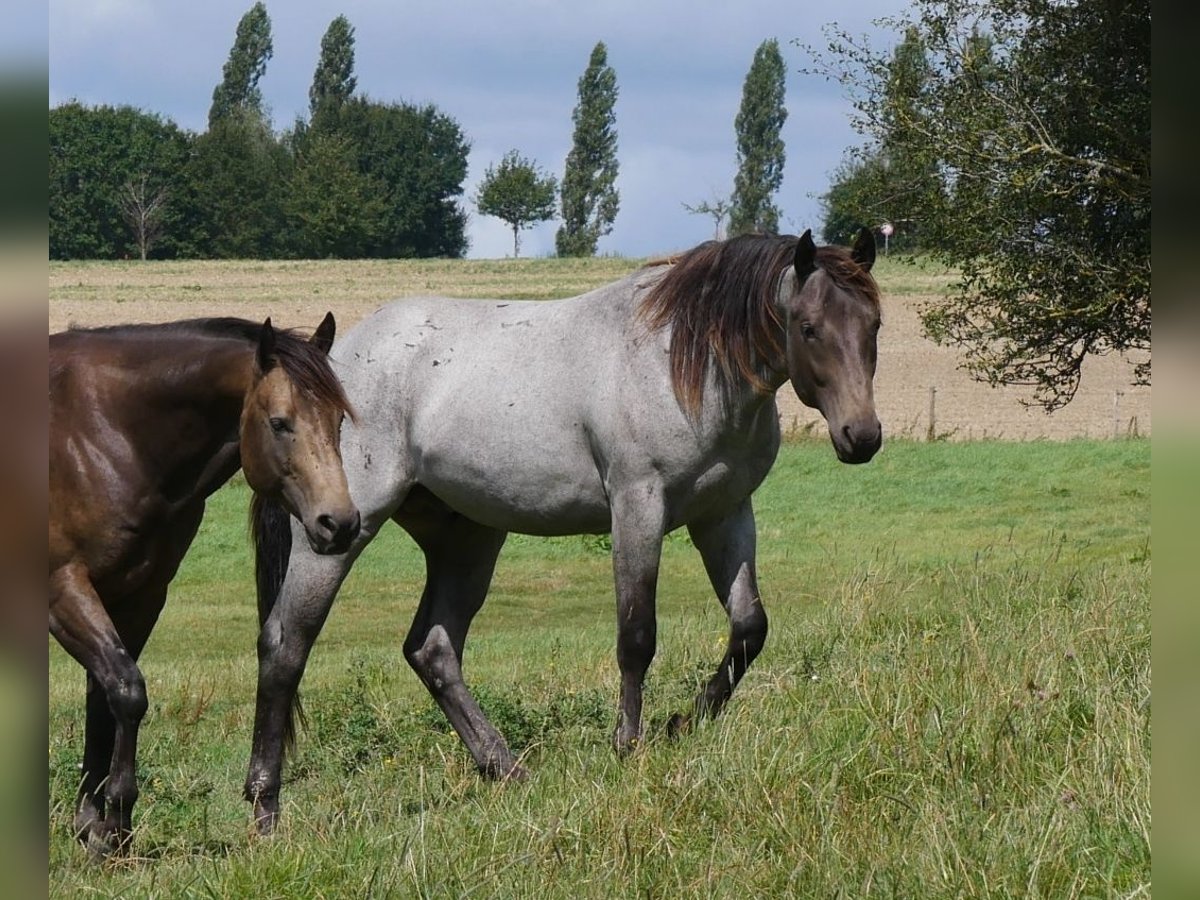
point(847, 274)
point(307, 365)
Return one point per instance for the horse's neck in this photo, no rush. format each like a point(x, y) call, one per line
point(193, 435)
point(742, 402)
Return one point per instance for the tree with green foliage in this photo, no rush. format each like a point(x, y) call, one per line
point(333, 209)
point(852, 200)
point(760, 153)
point(1036, 116)
point(95, 152)
point(589, 196)
point(889, 180)
point(236, 181)
point(237, 176)
point(517, 192)
point(238, 91)
point(417, 156)
point(333, 81)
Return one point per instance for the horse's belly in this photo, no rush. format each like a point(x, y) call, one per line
point(542, 499)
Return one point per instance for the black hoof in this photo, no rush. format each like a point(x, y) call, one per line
point(678, 725)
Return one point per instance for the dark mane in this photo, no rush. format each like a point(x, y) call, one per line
point(304, 362)
point(719, 299)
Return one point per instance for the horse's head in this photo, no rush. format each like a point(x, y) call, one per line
point(830, 310)
point(290, 435)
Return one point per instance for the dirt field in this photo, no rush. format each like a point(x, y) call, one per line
point(299, 294)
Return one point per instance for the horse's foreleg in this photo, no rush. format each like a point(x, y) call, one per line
point(284, 644)
point(79, 622)
point(460, 558)
point(99, 734)
point(727, 547)
point(637, 529)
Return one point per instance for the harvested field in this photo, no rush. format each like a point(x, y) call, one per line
point(297, 293)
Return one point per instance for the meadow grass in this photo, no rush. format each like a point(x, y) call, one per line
point(953, 701)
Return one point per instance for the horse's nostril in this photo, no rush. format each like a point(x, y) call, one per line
point(327, 524)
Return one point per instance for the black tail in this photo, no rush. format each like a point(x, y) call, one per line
point(271, 529)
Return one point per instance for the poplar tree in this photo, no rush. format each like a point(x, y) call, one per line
point(759, 144)
point(238, 91)
point(333, 81)
point(589, 194)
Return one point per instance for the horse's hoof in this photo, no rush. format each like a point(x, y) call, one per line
point(624, 747)
point(678, 725)
point(266, 818)
point(504, 771)
point(104, 844)
point(517, 773)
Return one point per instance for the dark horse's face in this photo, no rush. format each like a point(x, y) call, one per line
point(290, 449)
point(831, 315)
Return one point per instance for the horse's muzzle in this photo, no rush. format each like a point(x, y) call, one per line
point(331, 534)
point(859, 442)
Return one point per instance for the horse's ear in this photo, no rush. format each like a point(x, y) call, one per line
point(265, 357)
point(806, 256)
point(863, 251)
point(323, 336)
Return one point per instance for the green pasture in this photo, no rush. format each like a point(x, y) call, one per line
point(954, 701)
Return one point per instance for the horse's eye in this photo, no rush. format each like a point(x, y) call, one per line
point(280, 426)
point(808, 332)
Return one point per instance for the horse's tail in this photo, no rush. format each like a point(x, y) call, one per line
point(271, 529)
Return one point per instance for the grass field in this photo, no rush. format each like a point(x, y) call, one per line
point(953, 701)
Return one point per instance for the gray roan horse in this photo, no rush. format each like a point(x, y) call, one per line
point(637, 408)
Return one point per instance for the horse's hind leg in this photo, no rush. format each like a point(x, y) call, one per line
point(727, 547)
point(79, 622)
point(460, 558)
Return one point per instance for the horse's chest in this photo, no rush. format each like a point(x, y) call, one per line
point(717, 486)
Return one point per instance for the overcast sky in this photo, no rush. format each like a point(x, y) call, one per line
point(507, 72)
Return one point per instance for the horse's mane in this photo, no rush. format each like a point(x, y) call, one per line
point(305, 363)
point(719, 299)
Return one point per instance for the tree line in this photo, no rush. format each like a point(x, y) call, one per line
point(355, 178)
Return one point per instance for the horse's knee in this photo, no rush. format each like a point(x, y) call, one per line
point(281, 655)
point(747, 627)
point(127, 697)
point(636, 643)
point(433, 658)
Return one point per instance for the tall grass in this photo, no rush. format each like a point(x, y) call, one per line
point(954, 701)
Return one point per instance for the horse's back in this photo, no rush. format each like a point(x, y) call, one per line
point(492, 404)
point(528, 415)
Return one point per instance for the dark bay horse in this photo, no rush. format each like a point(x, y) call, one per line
point(637, 408)
point(146, 421)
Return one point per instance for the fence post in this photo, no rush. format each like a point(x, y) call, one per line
point(931, 434)
point(1116, 414)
